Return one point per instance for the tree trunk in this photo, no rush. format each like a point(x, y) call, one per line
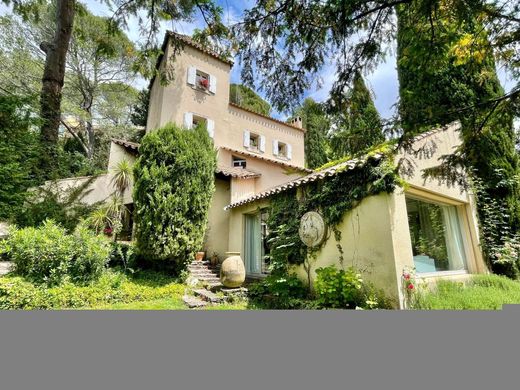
point(52, 82)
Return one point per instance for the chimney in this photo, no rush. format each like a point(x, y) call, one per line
point(297, 122)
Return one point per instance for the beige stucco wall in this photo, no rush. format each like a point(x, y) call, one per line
point(169, 104)
point(368, 244)
point(217, 231)
point(271, 174)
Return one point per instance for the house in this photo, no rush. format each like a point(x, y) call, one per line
point(425, 225)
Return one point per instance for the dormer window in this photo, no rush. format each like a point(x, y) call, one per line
point(201, 80)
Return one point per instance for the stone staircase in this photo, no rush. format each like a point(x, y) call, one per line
point(207, 275)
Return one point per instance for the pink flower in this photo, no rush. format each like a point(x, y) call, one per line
point(204, 83)
point(411, 286)
point(406, 276)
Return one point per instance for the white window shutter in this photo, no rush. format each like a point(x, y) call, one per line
point(212, 84)
point(262, 143)
point(289, 151)
point(275, 147)
point(192, 75)
point(188, 120)
point(247, 138)
point(210, 125)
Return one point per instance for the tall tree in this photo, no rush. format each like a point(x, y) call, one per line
point(247, 98)
point(57, 48)
point(447, 72)
point(357, 123)
point(53, 79)
point(317, 125)
point(139, 115)
point(287, 43)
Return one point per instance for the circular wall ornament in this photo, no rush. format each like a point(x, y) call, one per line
point(312, 229)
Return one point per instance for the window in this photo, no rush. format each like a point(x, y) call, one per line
point(239, 162)
point(201, 80)
point(282, 150)
point(192, 120)
point(254, 142)
point(435, 232)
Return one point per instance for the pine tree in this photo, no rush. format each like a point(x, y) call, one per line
point(447, 72)
point(247, 98)
point(317, 124)
point(358, 124)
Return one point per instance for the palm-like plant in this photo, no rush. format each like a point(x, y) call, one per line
point(122, 176)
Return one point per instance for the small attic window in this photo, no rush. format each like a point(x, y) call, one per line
point(239, 162)
point(282, 150)
point(254, 141)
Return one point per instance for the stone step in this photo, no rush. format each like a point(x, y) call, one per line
point(207, 295)
point(204, 272)
point(193, 302)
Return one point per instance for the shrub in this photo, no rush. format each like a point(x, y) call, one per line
point(345, 289)
point(174, 184)
point(111, 287)
point(48, 254)
point(18, 154)
point(279, 292)
point(65, 207)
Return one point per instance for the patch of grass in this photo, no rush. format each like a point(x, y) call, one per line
point(174, 303)
point(482, 292)
point(112, 288)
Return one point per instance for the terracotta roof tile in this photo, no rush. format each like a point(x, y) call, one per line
point(132, 147)
point(265, 116)
point(238, 172)
point(319, 175)
point(261, 157)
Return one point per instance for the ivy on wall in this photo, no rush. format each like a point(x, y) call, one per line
point(332, 197)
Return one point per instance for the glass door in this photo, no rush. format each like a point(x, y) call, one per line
point(253, 244)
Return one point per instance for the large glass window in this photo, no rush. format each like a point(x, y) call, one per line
point(436, 235)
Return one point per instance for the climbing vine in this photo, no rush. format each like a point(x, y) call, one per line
point(333, 197)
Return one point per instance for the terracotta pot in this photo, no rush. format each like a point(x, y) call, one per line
point(232, 271)
point(200, 256)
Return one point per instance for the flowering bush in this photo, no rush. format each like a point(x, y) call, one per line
point(409, 284)
point(204, 83)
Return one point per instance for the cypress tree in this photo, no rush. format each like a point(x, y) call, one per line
point(358, 124)
point(317, 124)
point(447, 72)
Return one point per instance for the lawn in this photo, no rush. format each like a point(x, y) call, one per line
point(483, 292)
point(113, 291)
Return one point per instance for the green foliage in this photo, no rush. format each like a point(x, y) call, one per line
point(357, 123)
point(345, 289)
point(123, 255)
point(317, 124)
point(65, 207)
point(280, 292)
point(482, 292)
point(247, 98)
point(283, 224)
point(111, 288)
point(174, 184)
point(450, 76)
point(48, 254)
point(139, 115)
point(18, 154)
